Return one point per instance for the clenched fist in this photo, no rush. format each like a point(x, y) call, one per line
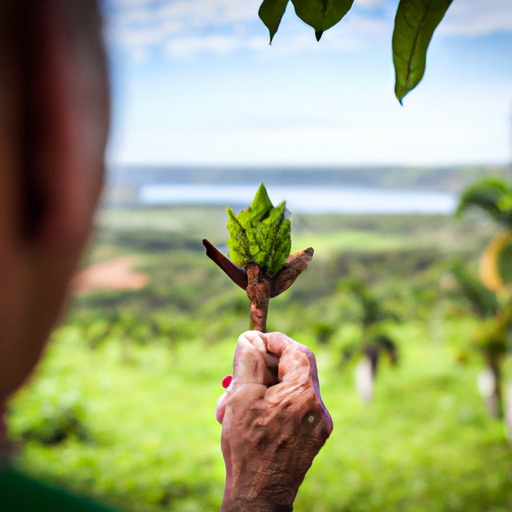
point(273, 422)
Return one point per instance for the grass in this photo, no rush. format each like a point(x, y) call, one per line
point(327, 244)
point(122, 407)
point(425, 444)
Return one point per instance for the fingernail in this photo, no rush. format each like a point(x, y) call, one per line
point(226, 381)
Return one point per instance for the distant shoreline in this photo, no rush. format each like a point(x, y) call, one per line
point(403, 189)
point(441, 178)
point(301, 199)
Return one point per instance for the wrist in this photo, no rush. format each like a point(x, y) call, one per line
point(255, 495)
point(256, 505)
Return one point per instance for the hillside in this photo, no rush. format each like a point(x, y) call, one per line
point(124, 182)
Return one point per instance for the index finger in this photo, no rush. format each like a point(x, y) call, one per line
point(252, 364)
point(286, 350)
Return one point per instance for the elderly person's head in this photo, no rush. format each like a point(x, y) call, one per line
point(53, 131)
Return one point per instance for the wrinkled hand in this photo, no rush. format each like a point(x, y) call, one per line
point(273, 422)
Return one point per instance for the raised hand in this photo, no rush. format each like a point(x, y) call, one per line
point(273, 422)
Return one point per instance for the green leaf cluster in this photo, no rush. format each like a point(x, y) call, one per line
point(415, 23)
point(319, 14)
point(260, 234)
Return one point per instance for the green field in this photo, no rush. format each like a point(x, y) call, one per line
point(122, 407)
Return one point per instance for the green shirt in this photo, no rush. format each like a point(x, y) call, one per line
point(20, 493)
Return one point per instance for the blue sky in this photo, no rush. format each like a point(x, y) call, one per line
point(196, 82)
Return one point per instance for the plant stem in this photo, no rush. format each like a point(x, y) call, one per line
point(258, 290)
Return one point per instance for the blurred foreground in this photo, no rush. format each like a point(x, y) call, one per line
point(123, 405)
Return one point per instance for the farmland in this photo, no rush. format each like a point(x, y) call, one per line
point(122, 406)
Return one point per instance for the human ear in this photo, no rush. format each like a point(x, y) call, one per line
point(66, 121)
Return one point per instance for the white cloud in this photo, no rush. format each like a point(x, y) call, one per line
point(136, 17)
point(208, 12)
point(140, 54)
point(224, 26)
point(147, 36)
point(184, 47)
point(371, 4)
point(136, 3)
point(140, 27)
point(477, 17)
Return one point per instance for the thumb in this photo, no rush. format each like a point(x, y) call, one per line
point(251, 364)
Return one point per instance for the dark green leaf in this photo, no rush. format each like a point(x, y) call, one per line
point(238, 245)
point(321, 14)
point(415, 23)
point(271, 12)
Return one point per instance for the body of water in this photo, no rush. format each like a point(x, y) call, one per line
point(302, 199)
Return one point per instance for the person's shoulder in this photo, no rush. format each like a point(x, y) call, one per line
point(21, 493)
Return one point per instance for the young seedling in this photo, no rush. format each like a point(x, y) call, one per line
point(259, 254)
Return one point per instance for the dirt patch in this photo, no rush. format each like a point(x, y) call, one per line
point(115, 274)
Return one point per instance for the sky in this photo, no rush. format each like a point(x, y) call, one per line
point(195, 82)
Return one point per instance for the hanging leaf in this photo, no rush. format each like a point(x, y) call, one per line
point(321, 14)
point(415, 23)
point(271, 12)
